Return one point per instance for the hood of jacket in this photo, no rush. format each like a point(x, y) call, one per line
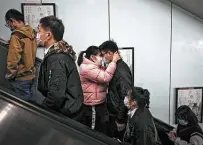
point(27, 31)
point(63, 46)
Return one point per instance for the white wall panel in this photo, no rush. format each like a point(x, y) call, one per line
point(145, 25)
point(187, 52)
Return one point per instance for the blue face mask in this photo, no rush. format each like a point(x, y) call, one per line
point(182, 122)
point(12, 29)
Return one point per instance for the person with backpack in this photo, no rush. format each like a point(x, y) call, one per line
point(188, 131)
point(21, 55)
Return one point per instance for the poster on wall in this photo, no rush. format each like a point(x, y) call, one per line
point(34, 12)
point(33, 1)
point(127, 54)
point(192, 97)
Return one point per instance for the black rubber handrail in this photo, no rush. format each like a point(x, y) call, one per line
point(80, 128)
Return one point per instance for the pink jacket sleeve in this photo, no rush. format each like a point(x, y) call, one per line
point(101, 76)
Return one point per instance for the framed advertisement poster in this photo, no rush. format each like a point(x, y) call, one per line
point(192, 97)
point(33, 12)
point(127, 54)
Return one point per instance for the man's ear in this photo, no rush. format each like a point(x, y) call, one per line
point(50, 35)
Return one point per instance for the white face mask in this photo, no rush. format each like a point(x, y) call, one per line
point(40, 41)
point(98, 60)
point(105, 60)
point(126, 102)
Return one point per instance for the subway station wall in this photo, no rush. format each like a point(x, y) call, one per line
point(144, 25)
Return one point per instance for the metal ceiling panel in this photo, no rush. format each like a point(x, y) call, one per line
point(193, 6)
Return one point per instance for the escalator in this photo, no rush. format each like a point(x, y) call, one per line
point(25, 123)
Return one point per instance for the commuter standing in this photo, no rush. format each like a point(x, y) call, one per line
point(94, 79)
point(21, 55)
point(118, 88)
point(140, 128)
point(59, 79)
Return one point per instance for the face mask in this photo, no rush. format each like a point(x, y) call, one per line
point(41, 41)
point(126, 102)
point(105, 60)
point(98, 60)
point(182, 122)
point(12, 28)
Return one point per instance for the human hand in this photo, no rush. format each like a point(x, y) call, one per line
point(120, 127)
point(116, 56)
point(172, 136)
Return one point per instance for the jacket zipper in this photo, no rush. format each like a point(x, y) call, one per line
point(49, 77)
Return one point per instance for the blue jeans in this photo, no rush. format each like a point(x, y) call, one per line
point(24, 89)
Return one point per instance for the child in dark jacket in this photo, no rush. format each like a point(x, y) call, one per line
point(140, 129)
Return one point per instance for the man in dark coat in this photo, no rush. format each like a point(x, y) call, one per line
point(118, 87)
point(59, 79)
point(140, 128)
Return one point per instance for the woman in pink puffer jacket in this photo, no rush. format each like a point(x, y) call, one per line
point(94, 79)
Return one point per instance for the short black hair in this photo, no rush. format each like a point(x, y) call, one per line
point(109, 46)
point(184, 112)
point(55, 25)
point(14, 14)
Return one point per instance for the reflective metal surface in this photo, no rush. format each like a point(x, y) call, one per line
point(21, 127)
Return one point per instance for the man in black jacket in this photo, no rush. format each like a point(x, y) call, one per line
point(120, 84)
point(59, 79)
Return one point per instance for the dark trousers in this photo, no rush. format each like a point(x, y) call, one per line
point(24, 89)
point(112, 129)
point(96, 117)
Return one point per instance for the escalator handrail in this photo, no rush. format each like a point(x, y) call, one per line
point(163, 125)
point(65, 121)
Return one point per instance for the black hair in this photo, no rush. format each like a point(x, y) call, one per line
point(91, 50)
point(55, 25)
point(14, 14)
point(184, 112)
point(141, 96)
point(109, 46)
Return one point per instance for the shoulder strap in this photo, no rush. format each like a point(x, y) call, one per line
point(21, 35)
point(198, 134)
